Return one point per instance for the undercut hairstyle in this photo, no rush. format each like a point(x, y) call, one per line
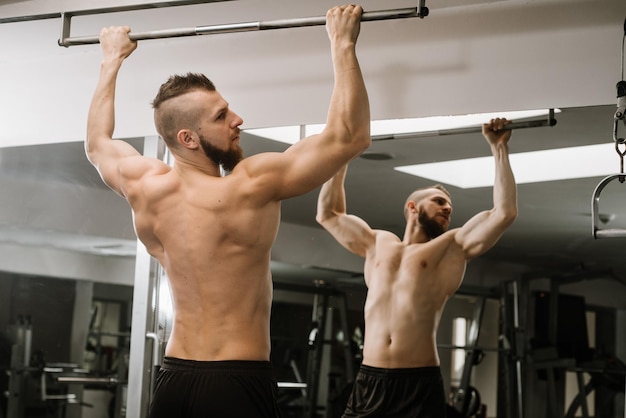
point(170, 119)
point(417, 195)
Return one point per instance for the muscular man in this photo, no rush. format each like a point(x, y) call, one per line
point(212, 234)
point(409, 282)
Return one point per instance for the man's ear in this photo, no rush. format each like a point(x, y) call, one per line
point(187, 139)
point(410, 205)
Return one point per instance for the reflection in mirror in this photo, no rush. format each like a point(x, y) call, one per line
point(64, 346)
point(66, 274)
point(67, 265)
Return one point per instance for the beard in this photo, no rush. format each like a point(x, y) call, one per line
point(227, 159)
point(431, 228)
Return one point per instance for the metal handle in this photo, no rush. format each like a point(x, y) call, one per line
point(595, 212)
point(66, 41)
point(156, 348)
point(89, 380)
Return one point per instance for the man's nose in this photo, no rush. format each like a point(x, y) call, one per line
point(237, 120)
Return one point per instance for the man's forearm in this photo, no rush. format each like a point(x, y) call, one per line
point(349, 108)
point(101, 118)
point(505, 189)
point(332, 197)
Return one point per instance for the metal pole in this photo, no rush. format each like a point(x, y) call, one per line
point(65, 40)
point(519, 343)
point(463, 395)
point(550, 121)
point(141, 363)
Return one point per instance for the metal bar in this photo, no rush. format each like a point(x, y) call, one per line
point(470, 356)
point(595, 212)
point(610, 233)
point(88, 380)
point(291, 385)
point(521, 314)
point(67, 41)
point(320, 315)
point(471, 348)
point(102, 10)
point(347, 346)
point(550, 121)
point(583, 395)
point(156, 360)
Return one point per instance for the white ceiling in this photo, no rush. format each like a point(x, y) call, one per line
point(465, 57)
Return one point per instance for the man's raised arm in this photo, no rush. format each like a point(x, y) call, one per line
point(481, 232)
point(102, 151)
point(313, 160)
point(350, 231)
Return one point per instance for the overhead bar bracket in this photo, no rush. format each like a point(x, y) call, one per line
point(66, 40)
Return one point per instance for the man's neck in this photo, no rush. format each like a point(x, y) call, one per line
point(184, 165)
point(414, 234)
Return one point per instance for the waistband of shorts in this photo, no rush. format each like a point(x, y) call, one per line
point(224, 366)
point(409, 371)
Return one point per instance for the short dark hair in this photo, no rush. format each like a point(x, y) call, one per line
point(169, 120)
point(413, 196)
point(177, 85)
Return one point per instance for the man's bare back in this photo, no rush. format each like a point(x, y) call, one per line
point(214, 248)
point(213, 234)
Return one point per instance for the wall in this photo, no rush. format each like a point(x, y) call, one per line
point(455, 61)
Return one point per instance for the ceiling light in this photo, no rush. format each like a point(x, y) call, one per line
point(292, 134)
point(528, 167)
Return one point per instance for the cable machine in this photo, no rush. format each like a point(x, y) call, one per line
point(620, 148)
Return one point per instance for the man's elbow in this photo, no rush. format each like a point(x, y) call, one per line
point(90, 148)
point(509, 215)
point(355, 139)
point(325, 218)
point(320, 218)
point(363, 141)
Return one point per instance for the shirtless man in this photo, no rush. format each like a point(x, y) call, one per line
point(409, 282)
point(213, 234)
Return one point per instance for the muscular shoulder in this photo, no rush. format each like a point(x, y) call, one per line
point(384, 237)
point(384, 241)
point(258, 164)
point(132, 168)
point(259, 176)
point(136, 170)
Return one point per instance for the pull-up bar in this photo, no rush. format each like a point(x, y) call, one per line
point(549, 121)
point(420, 11)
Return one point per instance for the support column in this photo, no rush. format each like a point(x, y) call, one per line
point(141, 363)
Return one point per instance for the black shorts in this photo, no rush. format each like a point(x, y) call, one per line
point(401, 393)
point(220, 389)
